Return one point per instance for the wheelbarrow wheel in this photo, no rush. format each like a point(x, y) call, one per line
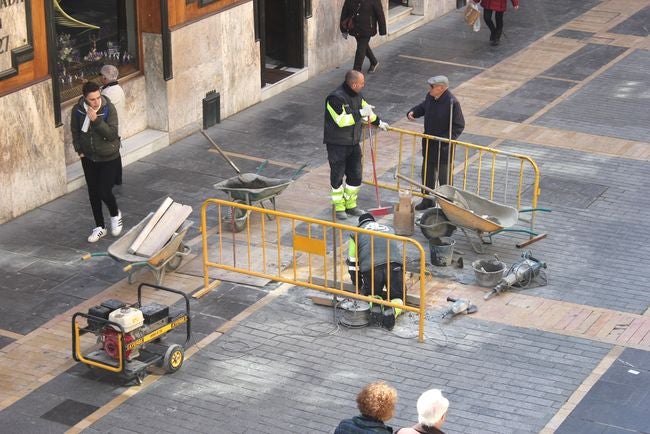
point(176, 261)
point(434, 224)
point(240, 216)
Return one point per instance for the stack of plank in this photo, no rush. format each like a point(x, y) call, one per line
point(160, 228)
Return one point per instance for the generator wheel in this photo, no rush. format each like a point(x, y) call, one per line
point(434, 224)
point(174, 357)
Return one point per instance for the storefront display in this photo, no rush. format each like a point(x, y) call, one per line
point(90, 35)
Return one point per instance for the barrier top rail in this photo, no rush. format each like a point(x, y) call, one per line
point(468, 159)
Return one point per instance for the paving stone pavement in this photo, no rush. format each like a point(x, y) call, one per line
point(266, 360)
point(288, 368)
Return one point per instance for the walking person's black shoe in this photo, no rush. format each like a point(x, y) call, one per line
point(373, 68)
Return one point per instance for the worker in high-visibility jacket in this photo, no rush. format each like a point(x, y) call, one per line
point(345, 113)
point(375, 259)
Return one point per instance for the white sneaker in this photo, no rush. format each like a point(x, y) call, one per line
point(116, 224)
point(98, 232)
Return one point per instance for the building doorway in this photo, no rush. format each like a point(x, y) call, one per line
point(281, 32)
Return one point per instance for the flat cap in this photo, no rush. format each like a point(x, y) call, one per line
point(438, 79)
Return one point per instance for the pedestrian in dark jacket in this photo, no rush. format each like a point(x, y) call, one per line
point(376, 402)
point(94, 127)
point(498, 7)
point(367, 15)
point(439, 108)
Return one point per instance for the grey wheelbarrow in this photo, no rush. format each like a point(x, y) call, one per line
point(465, 210)
point(167, 259)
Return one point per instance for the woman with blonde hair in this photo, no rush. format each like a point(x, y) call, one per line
point(376, 403)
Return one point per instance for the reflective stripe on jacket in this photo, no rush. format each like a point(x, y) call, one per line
point(342, 123)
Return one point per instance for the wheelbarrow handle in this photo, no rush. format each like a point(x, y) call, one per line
point(424, 187)
point(221, 152)
point(261, 167)
point(135, 264)
point(87, 256)
point(298, 171)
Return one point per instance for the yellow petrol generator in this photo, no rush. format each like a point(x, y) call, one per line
point(128, 339)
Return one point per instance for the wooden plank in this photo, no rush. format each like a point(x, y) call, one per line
point(150, 225)
point(164, 229)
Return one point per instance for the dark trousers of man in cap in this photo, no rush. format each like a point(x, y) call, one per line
point(441, 110)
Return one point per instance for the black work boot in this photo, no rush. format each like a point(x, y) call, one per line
point(355, 212)
point(388, 320)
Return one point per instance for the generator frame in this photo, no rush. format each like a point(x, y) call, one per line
point(155, 353)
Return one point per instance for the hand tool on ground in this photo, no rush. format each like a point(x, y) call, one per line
point(458, 306)
point(379, 211)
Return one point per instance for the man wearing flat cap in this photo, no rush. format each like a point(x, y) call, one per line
point(443, 117)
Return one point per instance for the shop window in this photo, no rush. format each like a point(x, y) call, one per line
point(90, 34)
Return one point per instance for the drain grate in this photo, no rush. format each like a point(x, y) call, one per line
point(69, 412)
point(569, 193)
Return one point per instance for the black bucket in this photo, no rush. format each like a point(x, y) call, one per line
point(442, 251)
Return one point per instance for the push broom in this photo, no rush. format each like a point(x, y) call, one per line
point(380, 211)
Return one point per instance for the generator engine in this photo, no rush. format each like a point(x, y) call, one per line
point(136, 322)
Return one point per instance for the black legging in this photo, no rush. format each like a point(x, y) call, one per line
point(100, 177)
point(363, 50)
point(495, 31)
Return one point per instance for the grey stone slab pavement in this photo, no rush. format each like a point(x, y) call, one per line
point(584, 62)
point(288, 368)
point(618, 402)
point(527, 100)
point(636, 25)
point(612, 104)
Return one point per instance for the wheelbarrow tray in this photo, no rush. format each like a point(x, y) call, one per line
point(119, 249)
point(250, 187)
point(471, 211)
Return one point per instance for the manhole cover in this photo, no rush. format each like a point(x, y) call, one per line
point(568, 192)
point(69, 412)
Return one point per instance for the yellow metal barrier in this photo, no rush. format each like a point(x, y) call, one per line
point(505, 177)
point(300, 251)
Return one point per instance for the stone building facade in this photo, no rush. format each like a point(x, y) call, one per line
point(171, 54)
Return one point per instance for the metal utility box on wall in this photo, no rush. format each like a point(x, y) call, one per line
point(211, 109)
